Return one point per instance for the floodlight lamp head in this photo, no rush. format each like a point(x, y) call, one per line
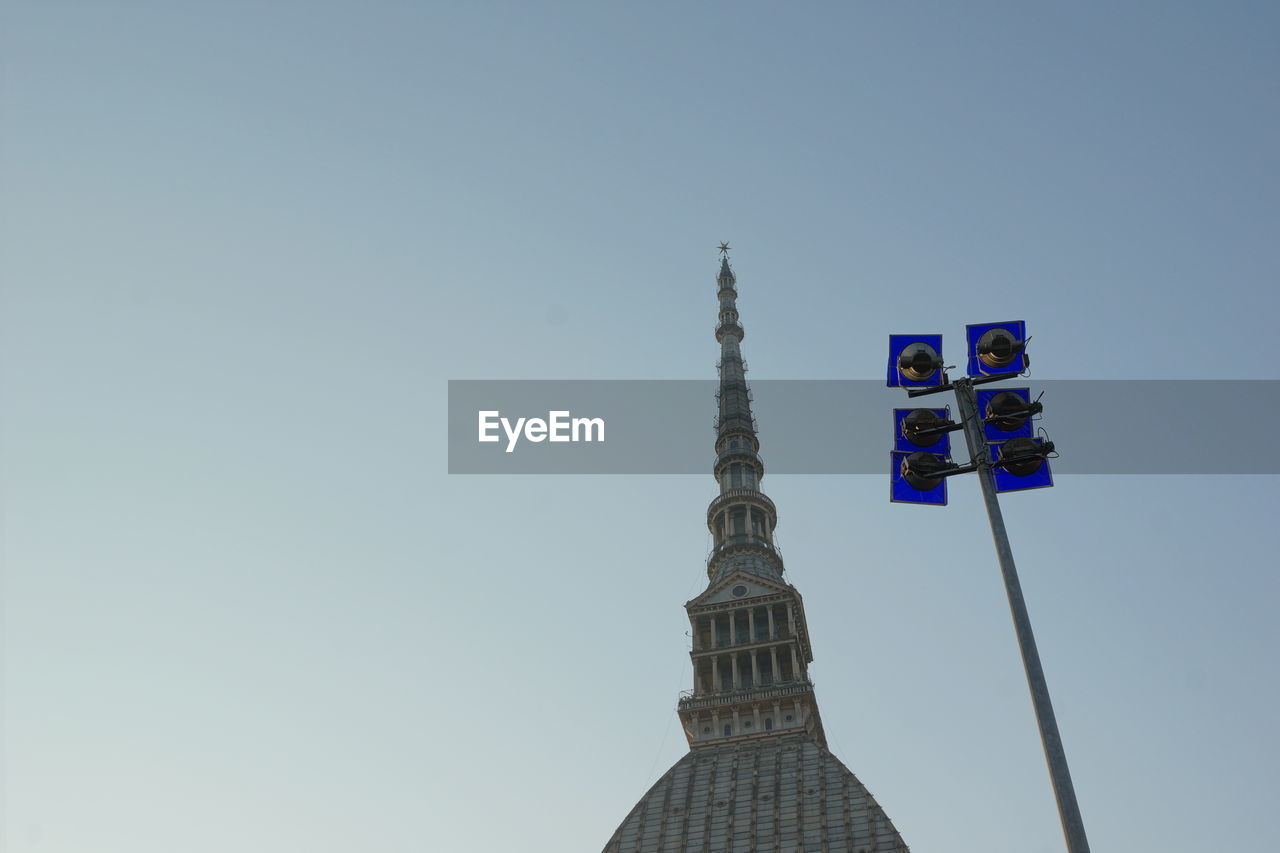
point(919, 361)
point(917, 423)
point(999, 348)
point(1022, 457)
point(919, 468)
point(1008, 411)
point(920, 427)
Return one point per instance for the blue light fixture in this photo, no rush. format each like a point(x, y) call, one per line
point(903, 492)
point(1006, 413)
point(915, 361)
point(935, 424)
point(994, 348)
point(1031, 472)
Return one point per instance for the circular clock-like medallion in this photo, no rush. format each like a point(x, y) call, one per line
point(739, 591)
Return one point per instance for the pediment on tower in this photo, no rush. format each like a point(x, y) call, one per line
point(740, 586)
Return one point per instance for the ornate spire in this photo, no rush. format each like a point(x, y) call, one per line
point(741, 518)
point(750, 643)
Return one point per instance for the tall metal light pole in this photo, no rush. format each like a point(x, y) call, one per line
point(1055, 756)
point(1005, 458)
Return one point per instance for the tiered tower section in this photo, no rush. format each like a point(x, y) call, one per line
point(750, 645)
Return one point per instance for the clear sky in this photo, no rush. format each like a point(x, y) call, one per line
point(245, 244)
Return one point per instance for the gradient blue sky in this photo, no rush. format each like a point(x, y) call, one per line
point(244, 245)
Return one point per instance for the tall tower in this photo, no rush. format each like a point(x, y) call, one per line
point(758, 777)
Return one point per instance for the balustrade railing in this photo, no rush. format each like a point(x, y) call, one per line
point(744, 641)
point(746, 421)
point(741, 451)
point(738, 540)
point(694, 699)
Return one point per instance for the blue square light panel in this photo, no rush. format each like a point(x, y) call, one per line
point(1005, 481)
point(899, 378)
point(1015, 329)
point(941, 443)
point(996, 432)
point(902, 492)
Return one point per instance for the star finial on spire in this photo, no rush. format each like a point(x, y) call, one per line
point(724, 249)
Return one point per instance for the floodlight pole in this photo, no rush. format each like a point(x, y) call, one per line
point(1055, 756)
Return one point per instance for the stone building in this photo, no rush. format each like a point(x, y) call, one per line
point(758, 777)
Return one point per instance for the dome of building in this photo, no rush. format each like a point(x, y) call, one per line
point(784, 794)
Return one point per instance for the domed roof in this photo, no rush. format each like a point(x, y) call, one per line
point(781, 794)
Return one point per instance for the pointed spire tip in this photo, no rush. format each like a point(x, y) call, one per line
point(725, 270)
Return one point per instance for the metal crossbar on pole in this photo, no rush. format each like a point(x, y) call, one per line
point(1055, 756)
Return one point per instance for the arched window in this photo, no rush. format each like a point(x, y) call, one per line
point(768, 724)
point(728, 729)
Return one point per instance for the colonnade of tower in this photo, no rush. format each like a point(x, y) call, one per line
point(750, 647)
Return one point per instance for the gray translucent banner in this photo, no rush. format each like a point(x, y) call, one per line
point(845, 426)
